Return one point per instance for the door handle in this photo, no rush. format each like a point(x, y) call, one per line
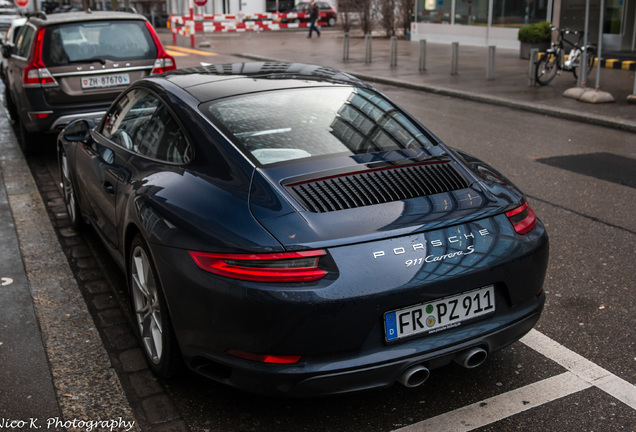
point(108, 187)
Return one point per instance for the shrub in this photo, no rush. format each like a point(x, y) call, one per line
point(535, 33)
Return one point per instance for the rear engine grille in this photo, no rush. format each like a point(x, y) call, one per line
point(376, 187)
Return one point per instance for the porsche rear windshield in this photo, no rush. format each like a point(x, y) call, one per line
point(292, 124)
point(85, 42)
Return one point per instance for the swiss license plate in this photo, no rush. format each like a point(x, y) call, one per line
point(440, 314)
point(101, 81)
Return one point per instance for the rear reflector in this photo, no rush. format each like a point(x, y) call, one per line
point(39, 115)
point(522, 218)
point(264, 358)
point(299, 266)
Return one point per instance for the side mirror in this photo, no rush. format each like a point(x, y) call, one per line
point(6, 51)
point(78, 131)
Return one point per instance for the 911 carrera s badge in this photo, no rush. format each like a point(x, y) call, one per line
point(421, 247)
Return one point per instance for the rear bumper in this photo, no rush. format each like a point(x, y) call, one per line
point(58, 115)
point(337, 324)
point(331, 376)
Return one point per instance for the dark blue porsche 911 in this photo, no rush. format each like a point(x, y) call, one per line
point(287, 229)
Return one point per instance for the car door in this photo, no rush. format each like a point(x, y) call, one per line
point(138, 137)
point(104, 162)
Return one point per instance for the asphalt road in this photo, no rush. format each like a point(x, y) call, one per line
point(581, 182)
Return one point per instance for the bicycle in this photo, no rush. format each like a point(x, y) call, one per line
point(554, 60)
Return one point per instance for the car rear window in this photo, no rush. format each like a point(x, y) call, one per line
point(84, 42)
point(290, 124)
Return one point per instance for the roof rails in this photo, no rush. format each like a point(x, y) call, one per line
point(38, 14)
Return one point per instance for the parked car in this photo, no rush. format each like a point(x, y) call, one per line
point(9, 41)
point(296, 248)
point(328, 14)
point(8, 12)
point(73, 65)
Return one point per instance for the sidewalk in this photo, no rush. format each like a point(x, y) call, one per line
point(509, 88)
point(55, 374)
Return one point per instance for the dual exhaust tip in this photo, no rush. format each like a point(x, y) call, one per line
point(417, 375)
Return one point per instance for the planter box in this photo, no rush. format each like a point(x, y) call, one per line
point(525, 47)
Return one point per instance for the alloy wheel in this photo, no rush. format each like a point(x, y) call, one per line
point(147, 307)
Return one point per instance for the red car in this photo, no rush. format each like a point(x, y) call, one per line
point(328, 14)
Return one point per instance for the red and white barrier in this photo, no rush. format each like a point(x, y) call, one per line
point(190, 25)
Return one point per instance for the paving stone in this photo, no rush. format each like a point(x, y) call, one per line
point(104, 301)
point(86, 275)
point(97, 287)
point(159, 409)
point(86, 263)
point(145, 384)
point(111, 317)
point(174, 426)
point(120, 337)
point(81, 251)
point(133, 360)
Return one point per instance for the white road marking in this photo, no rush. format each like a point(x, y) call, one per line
point(582, 367)
point(582, 374)
point(500, 407)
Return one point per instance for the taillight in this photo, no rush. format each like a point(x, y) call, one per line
point(264, 358)
point(522, 218)
point(35, 73)
point(165, 62)
point(39, 115)
point(299, 266)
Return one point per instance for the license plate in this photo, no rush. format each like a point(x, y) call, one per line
point(440, 314)
point(101, 81)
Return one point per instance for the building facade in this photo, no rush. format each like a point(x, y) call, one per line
point(497, 22)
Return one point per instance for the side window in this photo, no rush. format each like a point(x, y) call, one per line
point(25, 39)
point(164, 139)
point(126, 122)
point(141, 123)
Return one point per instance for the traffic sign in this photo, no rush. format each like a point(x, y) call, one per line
point(200, 2)
point(22, 3)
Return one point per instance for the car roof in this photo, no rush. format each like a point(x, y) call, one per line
point(68, 17)
point(211, 82)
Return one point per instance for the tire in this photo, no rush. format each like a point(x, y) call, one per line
point(8, 100)
point(69, 194)
point(28, 140)
point(331, 22)
point(152, 321)
point(591, 55)
point(547, 68)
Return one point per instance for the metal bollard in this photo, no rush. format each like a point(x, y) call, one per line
point(393, 51)
point(345, 51)
point(454, 58)
point(490, 70)
point(423, 54)
point(532, 63)
point(367, 46)
point(582, 78)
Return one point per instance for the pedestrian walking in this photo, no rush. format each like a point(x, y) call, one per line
point(314, 14)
